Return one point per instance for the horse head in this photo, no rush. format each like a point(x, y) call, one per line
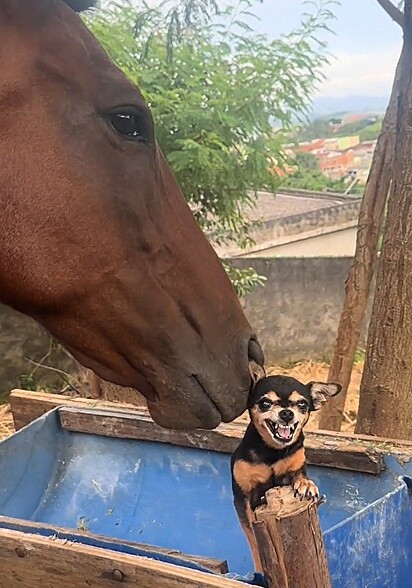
point(97, 242)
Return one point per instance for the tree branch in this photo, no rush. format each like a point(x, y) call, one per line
point(392, 11)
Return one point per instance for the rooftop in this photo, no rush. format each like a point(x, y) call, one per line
point(270, 207)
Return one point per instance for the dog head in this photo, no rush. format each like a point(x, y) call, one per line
point(279, 407)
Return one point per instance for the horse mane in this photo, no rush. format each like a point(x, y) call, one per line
point(80, 5)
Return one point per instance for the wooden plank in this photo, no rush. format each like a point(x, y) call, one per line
point(28, 406)
point(45, 562)
point(340, 451)
point(342, 454)
point(225, 438)
point(359, 437)
point(142, 427)
point(217, 566)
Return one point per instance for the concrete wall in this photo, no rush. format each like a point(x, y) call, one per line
point(340, 243)
point(295, 316)
point(296, 313)
point(283, 230)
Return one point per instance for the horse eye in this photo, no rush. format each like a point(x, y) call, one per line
point(265, 405)
point(131, 124)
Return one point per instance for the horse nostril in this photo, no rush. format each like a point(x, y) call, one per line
point(255, 352)
point(286, 415)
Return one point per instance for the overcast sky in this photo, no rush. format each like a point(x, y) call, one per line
point(366, 45)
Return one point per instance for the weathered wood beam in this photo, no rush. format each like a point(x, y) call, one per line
point(131, 422)
point(290, 542)
point(46, 562)
point(217, 566)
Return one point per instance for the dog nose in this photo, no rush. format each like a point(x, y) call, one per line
point(286, 415)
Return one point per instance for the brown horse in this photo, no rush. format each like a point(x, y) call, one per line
point(96, 240)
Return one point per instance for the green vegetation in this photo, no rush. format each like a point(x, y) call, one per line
point(309, 177)
point(359, 356)
point(317, 129)
point(215, 86)
point(371, 132)
point(355, 128)
point(321, 129)
point(313, 179)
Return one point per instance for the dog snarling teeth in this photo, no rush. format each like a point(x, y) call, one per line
point(282, 432)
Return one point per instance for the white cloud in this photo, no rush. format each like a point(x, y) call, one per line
point(360, 73)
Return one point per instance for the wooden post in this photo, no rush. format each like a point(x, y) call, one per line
point(95, 385)
point(290, 541)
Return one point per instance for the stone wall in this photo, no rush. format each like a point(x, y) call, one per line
point(286, 229)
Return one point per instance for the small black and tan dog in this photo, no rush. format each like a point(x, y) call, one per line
point(271, 452)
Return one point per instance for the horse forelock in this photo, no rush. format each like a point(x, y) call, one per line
point(80, 5)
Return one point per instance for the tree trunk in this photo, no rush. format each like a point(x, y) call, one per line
point(358, 284)
point(386, 388)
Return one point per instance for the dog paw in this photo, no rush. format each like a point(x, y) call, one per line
point(304, 488)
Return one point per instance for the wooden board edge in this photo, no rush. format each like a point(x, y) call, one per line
point(337, 454)
point(358, 437)
point(27, 406)
point(35, 404)
point(354, 452)
point(35, 561)
point(217, 566)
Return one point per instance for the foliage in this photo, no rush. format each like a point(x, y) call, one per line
point(216, 88)
point(317, 129)
point(371, 132)
point(356, 127)
point(306, 160)
point(243, 280)
point(359, 356)
point(27, 382)
point(313, 179)
point(367, 128)
point(214, 121)
point(309, 177)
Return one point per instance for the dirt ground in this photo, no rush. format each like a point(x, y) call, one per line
point(305, 371)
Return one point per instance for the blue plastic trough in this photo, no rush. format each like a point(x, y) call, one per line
point(180, 498)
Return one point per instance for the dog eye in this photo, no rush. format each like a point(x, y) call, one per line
point(264, 405)
point(302, 404)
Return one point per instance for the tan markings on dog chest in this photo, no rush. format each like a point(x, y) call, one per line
point(289, 464)
point(248, 475)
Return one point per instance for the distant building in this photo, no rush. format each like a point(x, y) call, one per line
point(362, 159)
point(335, 164)
point(337, 157)
point(310, 146)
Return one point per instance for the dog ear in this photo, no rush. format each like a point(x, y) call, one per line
point(320, 392)
point(257, 372)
